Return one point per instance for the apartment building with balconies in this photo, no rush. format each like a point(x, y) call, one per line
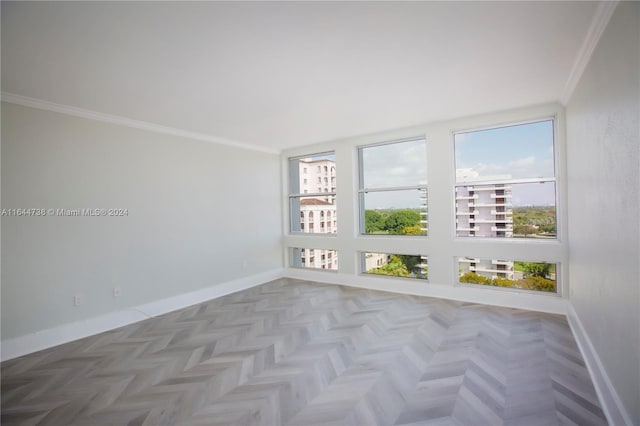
point(484, 211)
point(489, 268)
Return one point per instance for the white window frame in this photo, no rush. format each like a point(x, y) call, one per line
point(294, 177)
point(543, 179)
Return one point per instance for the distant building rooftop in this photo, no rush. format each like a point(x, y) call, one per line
point(314, 202)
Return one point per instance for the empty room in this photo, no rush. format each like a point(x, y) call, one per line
point(302, 213)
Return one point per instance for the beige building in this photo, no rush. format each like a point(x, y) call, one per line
point(318, 211)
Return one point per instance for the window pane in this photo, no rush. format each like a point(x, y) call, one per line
point(401, 212)
point(315, 174)
point(504, 210)
point(537, 276)
point(314, 258)
point(394, 165)
point(396, 265)
point(522, 151)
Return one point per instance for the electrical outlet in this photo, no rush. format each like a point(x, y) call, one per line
point(77, 301)
point(117, 292)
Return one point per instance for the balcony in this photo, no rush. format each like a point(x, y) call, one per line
point(490, 188)
point(500, 196)
point(490, 270)
point(466, 197)
point(475, 229)
point(505, 229)
point(491, 220)
point(491, 205)
point(502, 262)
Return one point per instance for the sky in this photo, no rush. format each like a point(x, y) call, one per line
point(515, 152)
point(395, 165)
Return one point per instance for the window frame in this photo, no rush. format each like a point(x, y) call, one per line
point(362, 190)
point(293, 177)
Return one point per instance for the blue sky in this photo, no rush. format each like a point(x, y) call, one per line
point(522, 151)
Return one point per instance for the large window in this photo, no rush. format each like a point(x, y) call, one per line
point(505, 182)
point(312, 194)
point(393, 188)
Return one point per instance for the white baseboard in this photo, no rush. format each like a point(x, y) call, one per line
point(609, 399)
point(22, 345)
point(494, 296)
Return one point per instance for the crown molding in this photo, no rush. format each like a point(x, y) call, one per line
point(128, 122)
point(596, 29)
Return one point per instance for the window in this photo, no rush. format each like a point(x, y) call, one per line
point(314, 258)
point(535, 276)
point(307, 208)
point(393, 188)
point(505, 182)
point(395, 265)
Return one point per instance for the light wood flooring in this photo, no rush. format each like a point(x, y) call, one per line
point(301, 353)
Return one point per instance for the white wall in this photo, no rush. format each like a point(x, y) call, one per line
point(199, 215)
point(441, 245)
point(604, 212)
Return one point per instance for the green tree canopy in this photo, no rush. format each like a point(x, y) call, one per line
point(397, 221)
point(374, 221)
point(541, 270)
point(524, 230)
point(413, 230)
point(395, 267)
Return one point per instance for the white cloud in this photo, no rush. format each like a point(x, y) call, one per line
point(522, 163)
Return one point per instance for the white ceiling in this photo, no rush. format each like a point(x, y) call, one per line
point(287, 74)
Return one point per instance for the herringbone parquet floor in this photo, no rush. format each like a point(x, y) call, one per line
point(299, 353)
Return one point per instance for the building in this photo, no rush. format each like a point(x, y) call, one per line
point(490, 268)
point(375, 260)
point(318, 176)
point(484, 211)
point(318, 213)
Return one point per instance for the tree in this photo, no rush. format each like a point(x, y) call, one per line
point(413, 230)
point(549, 228)
point(373, 221)
point(537, 283)
point(397, 221)
point(503, 282)
point(473, 278)
point(524, 230)
point(541, 270)
point(409, 261)
point(395, 267)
